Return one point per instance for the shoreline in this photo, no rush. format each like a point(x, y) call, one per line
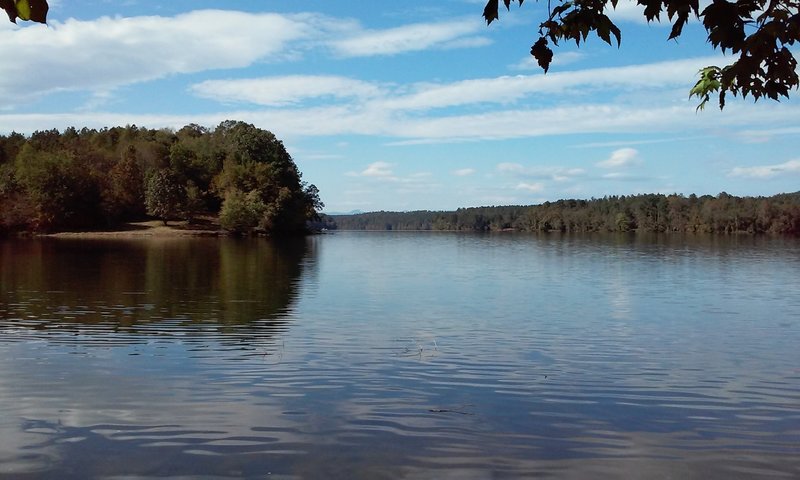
point(147, 229)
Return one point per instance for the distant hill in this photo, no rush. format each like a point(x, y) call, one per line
point(351, 212)
point(723, 213)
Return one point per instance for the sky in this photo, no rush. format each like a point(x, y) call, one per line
point(412, 105)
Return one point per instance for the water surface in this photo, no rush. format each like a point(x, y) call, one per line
point(401, 355)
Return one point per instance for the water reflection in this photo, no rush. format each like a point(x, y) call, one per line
point(149, 287)
point(409, 356)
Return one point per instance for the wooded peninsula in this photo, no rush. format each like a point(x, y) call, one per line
point(778, 214)
point(99, 179)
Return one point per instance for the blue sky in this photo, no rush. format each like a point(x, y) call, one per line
point(406, 105)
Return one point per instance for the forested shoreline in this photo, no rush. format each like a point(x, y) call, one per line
point(99, 179)
point(724, 213)
point(92, 179)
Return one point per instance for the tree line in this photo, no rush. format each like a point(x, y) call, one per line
point(724, 213)
point(90, 179)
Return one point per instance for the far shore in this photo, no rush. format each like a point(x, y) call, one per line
point(151, 228)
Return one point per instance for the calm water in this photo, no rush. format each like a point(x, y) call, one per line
point(401, 355)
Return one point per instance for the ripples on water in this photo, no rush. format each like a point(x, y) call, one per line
point(401, 356)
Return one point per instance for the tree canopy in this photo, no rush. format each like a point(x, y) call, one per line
point(757, 32)
point(87, 178)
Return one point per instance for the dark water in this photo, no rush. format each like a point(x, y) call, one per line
point(401, 355)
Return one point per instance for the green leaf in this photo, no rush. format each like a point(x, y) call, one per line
point(23, 9)
point(709, 82)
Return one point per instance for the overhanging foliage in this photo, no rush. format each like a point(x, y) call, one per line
point(758, 33)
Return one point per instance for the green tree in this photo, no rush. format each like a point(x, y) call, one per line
point(759, 33)
point(195, 203)
point(257, 163)
point(61, 191)
point(241, 213)
point(123, 197)
point(164, 195)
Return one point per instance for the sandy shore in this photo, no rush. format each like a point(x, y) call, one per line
point(153, 228)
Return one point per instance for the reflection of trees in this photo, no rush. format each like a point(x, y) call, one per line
point(194, 285)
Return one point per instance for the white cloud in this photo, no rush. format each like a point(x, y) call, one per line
point(463, 172)
point(286, 90)
point(623, 177)
point(619, 143)
point(767, 171)
point(105, 53)
point(765, 135)
point(410, 38)
point(361, 107)
point(467, 42)
point(508, 167)
point(500, 124)
point(591, 118)
point(316, 156)
point(509, 89)
point(378, 169)
point(384, 173)
point(626, 11)
point(631, 11)
point(530, 187)
point(276, 91)
point(64, 56)
point(108, 52)
point(540, 171)
point(623, 157)
point(559, 59)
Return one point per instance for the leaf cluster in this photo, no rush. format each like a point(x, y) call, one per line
point(758, 32)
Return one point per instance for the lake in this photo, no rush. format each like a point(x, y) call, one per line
point(401, 355)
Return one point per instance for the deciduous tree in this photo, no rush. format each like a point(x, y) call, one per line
point(164, 195)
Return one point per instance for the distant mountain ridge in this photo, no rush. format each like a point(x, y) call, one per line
point(351, 212)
